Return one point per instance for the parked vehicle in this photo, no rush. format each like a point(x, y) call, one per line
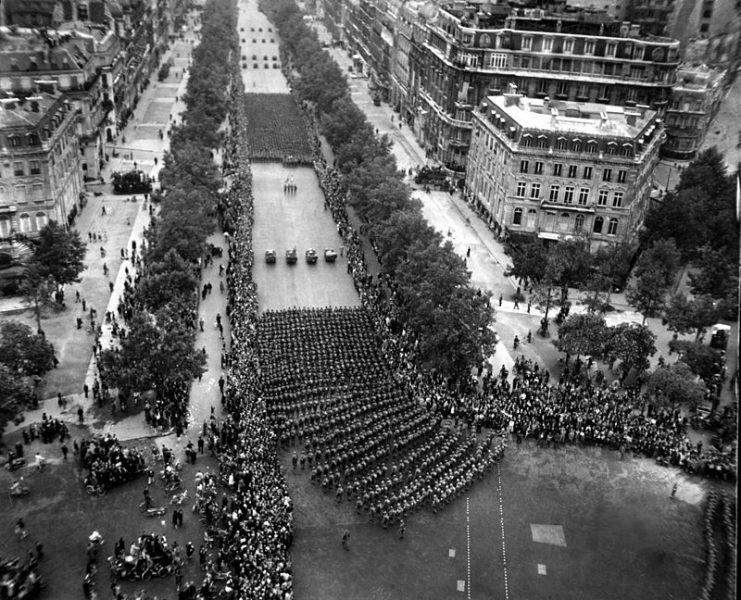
point(270, 257)
point(330, 255)
point(311, 256)
point(291, 256)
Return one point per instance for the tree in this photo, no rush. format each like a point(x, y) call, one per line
point(37, 291)
point(631, 344)
point(398, 233)
point(685, 315)
point(646, 293)
point(59, 254)
point(152, 355)
point(23, 351)
point(676, 384)
point(529, 260)
point(701, 358)
point(165, 280)
point(448, 317)
point(662, 259)
point(582, 334)
point(14, 395)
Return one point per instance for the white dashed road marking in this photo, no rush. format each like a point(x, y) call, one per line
point(468, 547)
point(501, 519)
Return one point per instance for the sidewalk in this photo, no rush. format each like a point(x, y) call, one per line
point(122, 223)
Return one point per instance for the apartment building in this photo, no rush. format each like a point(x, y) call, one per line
point(575, 56)
point(72, 60)
point(557, 169)
point(694, 103)
point(40, 162)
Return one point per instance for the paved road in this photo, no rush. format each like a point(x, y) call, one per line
point(284, 221)
point(261, 71)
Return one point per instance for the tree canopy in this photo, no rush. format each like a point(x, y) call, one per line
point(24, 352)
point(582, 334)
point(675, 385)
point(59, 254)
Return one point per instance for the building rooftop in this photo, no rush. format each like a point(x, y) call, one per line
point(26, 49)
point(698, 77)
point(587, 118)
point(25, 112)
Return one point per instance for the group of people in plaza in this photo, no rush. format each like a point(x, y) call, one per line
point(20, 579)
point(109, 464)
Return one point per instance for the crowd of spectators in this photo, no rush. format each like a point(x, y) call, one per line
point(109, 464)
point(20, 579)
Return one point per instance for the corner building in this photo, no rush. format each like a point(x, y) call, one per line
point(558, 170)
point(40, 163)
point(474, 50)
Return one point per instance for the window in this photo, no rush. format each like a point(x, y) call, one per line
point(627, 151)
point(592, 147)
point(617, 200)
point(578, 223)
point(638, 53)
point(18, 169)
point(521, 187)
point(538, 168)
point(606, 174)
point(547, 44)
point(542, 141)
point(535, 191)
point(602, 198)
point(37, 192)
point(572, 170)
point(531, 215)
point(5, 226)
point(598, 223)
point(24, 222)
point(583, 196)
point(527, 42)
point(589, 47)
point(612, 227)
point(524, 166)
point(610, 49)
point(562, 89)
point(553, 196)
point(561, 144)
point(568, 195)
point(34, 167)
point(527, 140)
point(622, 176)
point(587, 172)
point(14, 141)
point(41, 220)
point(497, 60)
point(568, 46)
point(557, 169)
point(517, 217)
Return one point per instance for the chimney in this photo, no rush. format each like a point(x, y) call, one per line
point(602, 119)
point(511, 97)
point(554, 116)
